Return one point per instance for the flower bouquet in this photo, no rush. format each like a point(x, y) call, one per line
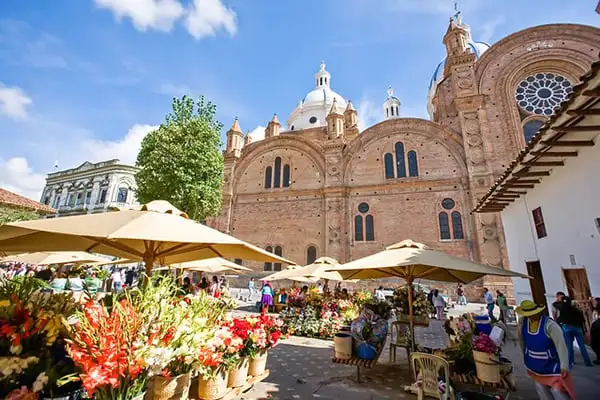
point(422, 308)
point(486, 357)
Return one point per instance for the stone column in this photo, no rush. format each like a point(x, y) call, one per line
point(334, 204)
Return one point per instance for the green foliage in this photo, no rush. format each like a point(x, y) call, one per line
point(181, 161)
point(8, 215)
point(21, 287)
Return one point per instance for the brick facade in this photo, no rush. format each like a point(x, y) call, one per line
point(476, 131)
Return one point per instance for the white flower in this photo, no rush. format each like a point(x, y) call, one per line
point(16, 349)
point(40, 382)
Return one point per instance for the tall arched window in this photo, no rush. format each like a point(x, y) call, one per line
point(311, 255)
point(277, 173)
point(444, 226)
point(268, 177)
point(369, 228)
point(457, 229)
point(388, 159)
point(358, 228)
point(122, 195)
point(268, 265)
point(413, 168)
point(278, 252)
point(400, 165)
point(286, 175)
point(530, 128)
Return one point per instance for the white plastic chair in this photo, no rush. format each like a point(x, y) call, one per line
point(427, 368)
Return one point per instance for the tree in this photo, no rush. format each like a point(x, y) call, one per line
point(8, 215)
point(181, 161)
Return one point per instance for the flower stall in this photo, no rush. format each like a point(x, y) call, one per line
point(422, 308)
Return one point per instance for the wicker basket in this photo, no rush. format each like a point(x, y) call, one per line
point(258, 364)
point(487, 366)
point(177, 388)
point(238, 375)
point(213, 388)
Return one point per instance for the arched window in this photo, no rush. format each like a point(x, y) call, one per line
point(388, 159)
point(286, 175)
point(278, 252)
point(268, 177)
point(444, 226)
point(370, 229)
point(413, 168)
point(530, 128)
point(311, 255)
point(400, 165)
point(277, 174)
point(358, 228)
point(122, 195)
point(269, 265)
point(457, 228)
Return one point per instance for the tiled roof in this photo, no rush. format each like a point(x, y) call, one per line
point(15, 200)
point(567, 130)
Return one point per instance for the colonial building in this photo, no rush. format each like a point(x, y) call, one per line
point(90, 188)
point(320, 187)
point(548, 199)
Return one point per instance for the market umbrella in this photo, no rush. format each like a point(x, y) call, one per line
point(210, 265)
point(412, 260)
point(54, 258)
point(280, 275)
point(316, 270)
point(156, 232)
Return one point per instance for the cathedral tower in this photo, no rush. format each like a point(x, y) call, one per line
point(335, 122)
point(235, 137)
point(273, 127)
point(391, 106)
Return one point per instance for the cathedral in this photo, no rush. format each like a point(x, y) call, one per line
point(318, 186)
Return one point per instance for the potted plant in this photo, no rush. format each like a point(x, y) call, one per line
point(486, 357)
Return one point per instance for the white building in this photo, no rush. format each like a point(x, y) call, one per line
point(549, 199)
point(90, 188)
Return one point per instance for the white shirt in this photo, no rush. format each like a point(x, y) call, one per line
point(116, 276)
point(379, 295)
point(438, 301)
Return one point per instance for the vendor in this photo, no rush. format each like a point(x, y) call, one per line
point(545, 353)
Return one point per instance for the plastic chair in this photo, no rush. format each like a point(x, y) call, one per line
point(399, 339)
point(427, 370)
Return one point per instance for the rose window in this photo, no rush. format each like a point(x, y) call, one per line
point(542, 94)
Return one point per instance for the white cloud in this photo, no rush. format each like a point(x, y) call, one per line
point(206, 17)
point(174, 90)
point(125, 149)
point(13, 102)
point(17, 176)
point(146, 14)
point(368, 113)
point(257, 133)
point(489, 28)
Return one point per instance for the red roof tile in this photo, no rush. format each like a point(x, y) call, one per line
point(15, 200)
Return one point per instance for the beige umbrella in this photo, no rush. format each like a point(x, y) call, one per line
point(280, 275)
point(209, 265)
point(317, 270)
point(54, 258)
point(155, 233)
point(411, 260)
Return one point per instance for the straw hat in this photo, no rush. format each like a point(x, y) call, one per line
point(529, 308)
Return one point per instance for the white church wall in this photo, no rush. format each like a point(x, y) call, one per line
point(569, 199)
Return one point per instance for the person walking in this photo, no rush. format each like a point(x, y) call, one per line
point(557, 305)
point(489, 300)
point(379, 294)
point(439, 303)
point(215, 288)
point(117, 280)
point(266, 299)
point(544, 353)
point(595, 330)
point(251, 287)
point(502, 305)
point(460, 295)
point(573, 324)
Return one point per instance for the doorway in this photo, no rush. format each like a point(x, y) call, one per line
point(538, 288)
point(578, 288)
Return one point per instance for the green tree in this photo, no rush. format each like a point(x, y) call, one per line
point(181, 161)
point(8, 215)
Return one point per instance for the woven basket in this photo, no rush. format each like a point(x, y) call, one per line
point(238, 375)
point(487, 366)
point(177, 388)
point(213, 388)
point(258, 364)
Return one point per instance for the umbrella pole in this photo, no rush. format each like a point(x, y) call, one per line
point(410, 316)
point(148, 264)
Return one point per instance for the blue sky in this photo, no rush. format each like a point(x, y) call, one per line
point(86, 79)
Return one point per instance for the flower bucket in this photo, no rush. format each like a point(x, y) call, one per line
point(213, 388)
point(487, 366)
point(258, 364)
point(238, 375)
point(171, 389)
point(75, 395)
point(342, 344)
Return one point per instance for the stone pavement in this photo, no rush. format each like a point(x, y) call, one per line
point(301, 368)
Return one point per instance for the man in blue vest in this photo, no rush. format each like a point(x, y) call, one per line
point(545, 353)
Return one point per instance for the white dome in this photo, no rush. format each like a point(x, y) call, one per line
point(312, 111)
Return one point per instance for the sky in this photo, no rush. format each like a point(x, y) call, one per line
point(86, 80)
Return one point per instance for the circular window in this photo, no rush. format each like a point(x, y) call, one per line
point(542, 94)
point(448, 204)
point(312, 120)
point(363, 207)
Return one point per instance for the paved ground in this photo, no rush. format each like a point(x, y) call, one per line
point(301, 368)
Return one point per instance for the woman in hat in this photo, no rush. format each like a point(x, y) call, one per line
point(545, 353)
